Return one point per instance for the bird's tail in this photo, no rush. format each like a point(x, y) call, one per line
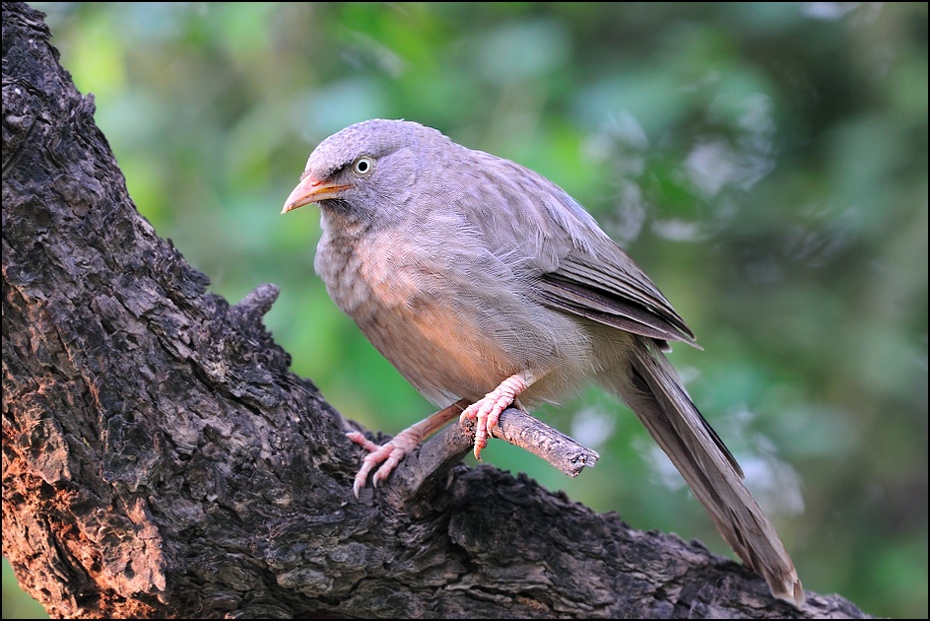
point(661, 403)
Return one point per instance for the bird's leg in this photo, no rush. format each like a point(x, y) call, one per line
point(390, 453)
point(487, 411)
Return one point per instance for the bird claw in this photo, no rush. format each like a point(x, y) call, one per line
point(388, 455)
point(487, 412)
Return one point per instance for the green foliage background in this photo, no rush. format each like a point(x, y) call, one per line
point(765, 163)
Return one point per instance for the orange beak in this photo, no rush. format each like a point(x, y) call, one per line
point(311, 190)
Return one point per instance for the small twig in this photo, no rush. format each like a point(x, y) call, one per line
point(421, 472)
point(257, 302)
point(520, 428)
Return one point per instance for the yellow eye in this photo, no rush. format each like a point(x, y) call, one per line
point(363, 165)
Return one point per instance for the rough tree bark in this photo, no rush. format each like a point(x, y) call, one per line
point(160, 460)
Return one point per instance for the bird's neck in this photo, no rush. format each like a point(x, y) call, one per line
point(338, 259)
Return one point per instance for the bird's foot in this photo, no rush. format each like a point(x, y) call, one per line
point(487, 411)
point(388, 455)
point(391, 453)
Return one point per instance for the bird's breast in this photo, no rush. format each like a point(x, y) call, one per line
point(404, 305)
point(454, 323)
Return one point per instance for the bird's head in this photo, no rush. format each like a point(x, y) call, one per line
point(367, 171)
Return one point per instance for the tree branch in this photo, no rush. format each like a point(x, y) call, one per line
point(160, 459)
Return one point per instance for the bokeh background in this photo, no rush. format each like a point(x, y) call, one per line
point(765, 163)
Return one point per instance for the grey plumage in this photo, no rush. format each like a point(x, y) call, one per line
point(466, 270)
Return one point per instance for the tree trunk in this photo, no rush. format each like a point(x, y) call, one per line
point(160, 460)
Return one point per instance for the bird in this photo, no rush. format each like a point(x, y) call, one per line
point(482, 280)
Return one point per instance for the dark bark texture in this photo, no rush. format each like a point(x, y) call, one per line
point(160, 460)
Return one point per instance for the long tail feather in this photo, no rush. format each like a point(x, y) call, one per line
point(661, 403)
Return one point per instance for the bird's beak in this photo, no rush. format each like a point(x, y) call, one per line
point(311, 190)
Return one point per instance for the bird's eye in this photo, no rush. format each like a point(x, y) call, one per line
point(363, 165)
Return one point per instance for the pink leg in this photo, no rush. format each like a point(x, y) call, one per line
point(390, 453)
point(488, 410)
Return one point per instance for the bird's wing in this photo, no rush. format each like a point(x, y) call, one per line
point(614, 291)
point(572, 265)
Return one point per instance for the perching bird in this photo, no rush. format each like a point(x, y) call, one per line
point(479, 279)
